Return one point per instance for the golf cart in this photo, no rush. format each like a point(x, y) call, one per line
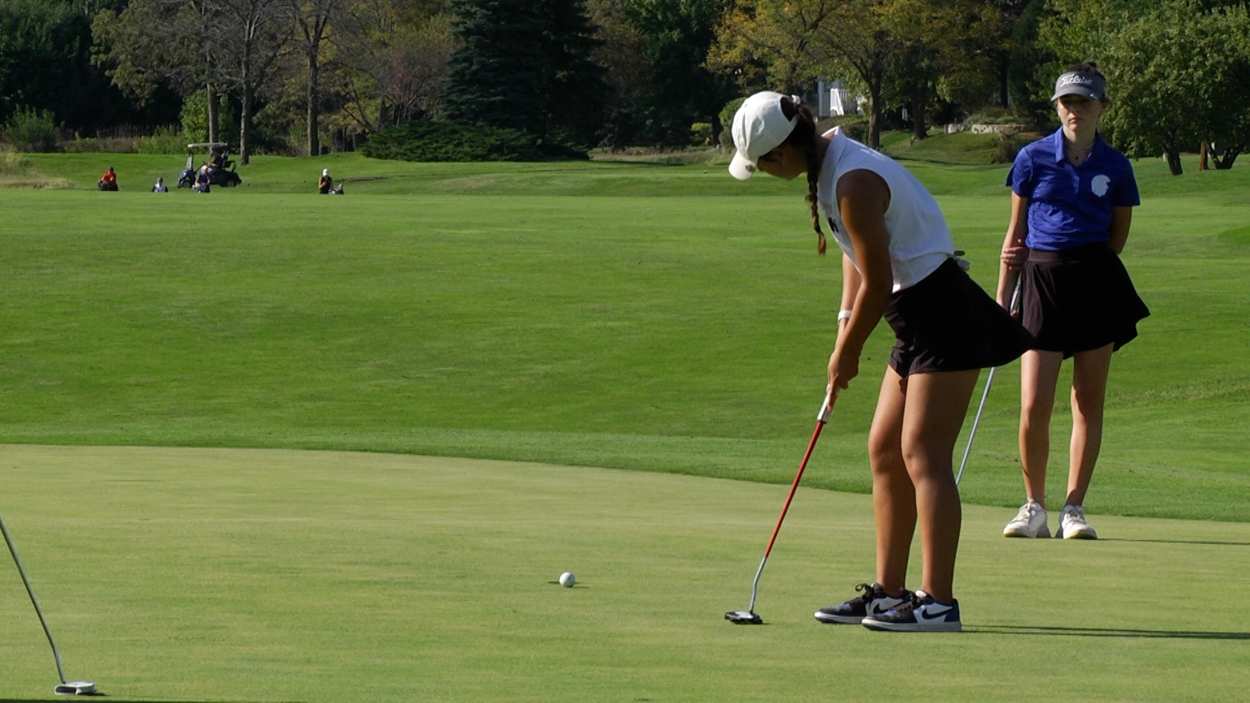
point(220, 167)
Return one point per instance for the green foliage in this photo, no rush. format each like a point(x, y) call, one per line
point(998, 115)
point(1177, 69)
point(1178, 79)
point(456, 141)
point(676, 39)
point(194, 118)
point(854, 126)
point(13, 163)
point(165, 140)
point(1007, 147)
point(726, 118)
point(29, 129)
point(526, 66)
point(701, 134)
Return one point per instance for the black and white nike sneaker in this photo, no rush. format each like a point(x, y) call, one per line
point(872, 600)
point(921, 614)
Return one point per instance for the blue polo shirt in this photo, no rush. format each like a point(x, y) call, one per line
point(1070, 206)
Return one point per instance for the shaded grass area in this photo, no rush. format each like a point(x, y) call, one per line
point(226, 575)
point(670, 323)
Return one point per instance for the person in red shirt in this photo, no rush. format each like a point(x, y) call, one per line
point(108, 181)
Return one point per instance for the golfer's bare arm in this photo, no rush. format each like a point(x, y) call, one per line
point(850, 289)
point(863, 198)
point(1014, 252)
point(1121, 220)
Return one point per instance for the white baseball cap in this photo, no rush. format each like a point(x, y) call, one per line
point(759, 127)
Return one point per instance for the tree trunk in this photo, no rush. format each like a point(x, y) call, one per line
point(874, 117)
point(919, 123)
point(1173, 156)
point(211, 100)
point(1202, 156)
point(1224, 158)
point(314, 100)
point(245, 123)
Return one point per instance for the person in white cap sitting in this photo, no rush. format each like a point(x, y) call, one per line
point(325, 186)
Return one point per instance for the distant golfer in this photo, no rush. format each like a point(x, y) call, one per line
point(898, 262)
point(1071, 207)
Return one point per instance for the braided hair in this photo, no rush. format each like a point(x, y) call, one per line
point(804, 138)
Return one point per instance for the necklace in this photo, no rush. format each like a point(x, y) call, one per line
point(1076, 155)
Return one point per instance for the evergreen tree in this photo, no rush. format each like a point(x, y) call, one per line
point(526, 65)
point(498, 76)
point(576, 91)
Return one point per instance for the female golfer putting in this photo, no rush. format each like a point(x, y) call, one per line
point(1071, 206)
point(898, 262)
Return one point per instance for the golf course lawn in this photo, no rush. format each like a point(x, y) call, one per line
point(245, 575)
point(264, 445)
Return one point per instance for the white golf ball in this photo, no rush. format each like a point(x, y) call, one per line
point(567, 579)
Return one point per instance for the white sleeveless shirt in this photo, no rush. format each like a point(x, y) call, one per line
point(919, 238)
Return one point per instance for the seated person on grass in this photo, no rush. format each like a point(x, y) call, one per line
point(108, 181)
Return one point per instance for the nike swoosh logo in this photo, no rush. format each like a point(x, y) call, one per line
point(883, 605)
point(927, 613)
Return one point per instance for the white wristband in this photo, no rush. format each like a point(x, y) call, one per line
point(844, 315)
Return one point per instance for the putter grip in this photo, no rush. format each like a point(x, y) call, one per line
point(825, 407)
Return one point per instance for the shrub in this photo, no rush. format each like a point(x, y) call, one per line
point(701, 134)
point(1009, 145)
point(456, 141)
point(165, 140)
point(13, 163)
point(112, 145)
point(31, 130)
point(727, 120)
point(853, 126)
point(997, 115)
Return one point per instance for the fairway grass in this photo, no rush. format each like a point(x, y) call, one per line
point(244, 575)
point(627, 315)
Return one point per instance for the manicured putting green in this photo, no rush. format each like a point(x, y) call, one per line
point(247, 575)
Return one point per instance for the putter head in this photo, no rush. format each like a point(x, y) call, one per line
point(744, 617)
point(76, 688)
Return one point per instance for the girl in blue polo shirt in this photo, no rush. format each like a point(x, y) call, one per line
point(1071, 207)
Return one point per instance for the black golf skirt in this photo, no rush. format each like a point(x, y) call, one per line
point(948, 323)
point(1079, 299)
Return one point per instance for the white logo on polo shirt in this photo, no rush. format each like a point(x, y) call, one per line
point(1100, 184)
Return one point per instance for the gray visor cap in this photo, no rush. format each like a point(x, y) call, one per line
point(1087, 85)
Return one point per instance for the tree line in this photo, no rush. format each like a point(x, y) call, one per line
point(293, 73)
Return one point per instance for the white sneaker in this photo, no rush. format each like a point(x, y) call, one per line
point(1072, 524)
point(1029, 522)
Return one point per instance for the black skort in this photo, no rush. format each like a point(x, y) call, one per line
point(948, 323)
point(1079, 299)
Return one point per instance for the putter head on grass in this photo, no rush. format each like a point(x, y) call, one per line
point(76, 688)
point(744, 617)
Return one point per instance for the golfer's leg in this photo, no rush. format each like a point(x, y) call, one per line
point(936, 406)
point(1039, 373)
point(1089, 392)
point(893, 498)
